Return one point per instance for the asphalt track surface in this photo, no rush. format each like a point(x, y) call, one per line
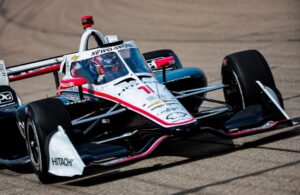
point(201, 33)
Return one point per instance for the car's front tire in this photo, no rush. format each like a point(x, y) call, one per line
point(43, 119)
point(240, 71)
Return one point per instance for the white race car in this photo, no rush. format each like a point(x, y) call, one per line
point(114, 105)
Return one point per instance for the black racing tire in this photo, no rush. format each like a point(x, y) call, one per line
point(240, 71)
point(43, 118)
point(12, 143)
point(163, 53)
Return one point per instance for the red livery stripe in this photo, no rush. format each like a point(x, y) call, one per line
point(139, 110)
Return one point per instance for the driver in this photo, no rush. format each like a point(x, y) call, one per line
point(89, 69)
point(99, 69)
point(110, 62)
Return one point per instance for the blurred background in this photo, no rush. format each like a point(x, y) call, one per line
point(32, 29)
point(201, 32)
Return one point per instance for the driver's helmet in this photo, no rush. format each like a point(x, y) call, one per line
point(110, 62)
point(97, 69)
point(89, 69)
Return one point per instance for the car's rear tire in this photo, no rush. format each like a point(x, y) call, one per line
point(12, 145)
point(241, 71)
point(44, 117)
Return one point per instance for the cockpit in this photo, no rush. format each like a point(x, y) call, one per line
point(112, 63)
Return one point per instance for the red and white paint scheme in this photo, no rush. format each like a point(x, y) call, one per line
point(138, 91)
point(74, 82)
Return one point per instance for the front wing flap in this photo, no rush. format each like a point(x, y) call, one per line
point(64, 160)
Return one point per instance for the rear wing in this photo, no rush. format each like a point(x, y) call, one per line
point(31, 69)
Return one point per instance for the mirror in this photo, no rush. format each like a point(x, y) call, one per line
point(163, 62)
point(78, 81)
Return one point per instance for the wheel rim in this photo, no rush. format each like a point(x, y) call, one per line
point(233, 93)
point(239, 88)
point(33, 146)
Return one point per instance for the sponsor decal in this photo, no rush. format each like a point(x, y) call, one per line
point(172, 103)
point(75, 57)
point(101, 51)
point(67, 85)
point(147, 81)
point(157, 107)
point(63, 160)
point(123, 46)
point(6, 97)
point(155, 103)
point(172, 109)
point(162, 103)
point(105, 50)
point(21, 125)
point(176, 115)
point(74, 98)
point(67, 162)
point(149, 113)
point(4, 108)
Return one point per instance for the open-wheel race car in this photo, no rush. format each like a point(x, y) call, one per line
point(115, 105)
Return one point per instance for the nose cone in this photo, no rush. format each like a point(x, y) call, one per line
point(152, 100)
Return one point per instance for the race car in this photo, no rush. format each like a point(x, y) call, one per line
point(115, 105)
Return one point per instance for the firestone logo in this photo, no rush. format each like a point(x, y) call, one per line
point(6, 97)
